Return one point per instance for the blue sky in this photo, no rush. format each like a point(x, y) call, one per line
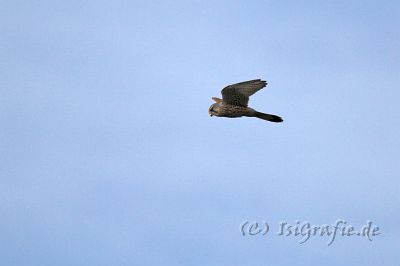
point(108, 155)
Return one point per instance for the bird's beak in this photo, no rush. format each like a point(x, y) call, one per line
point(211, 115)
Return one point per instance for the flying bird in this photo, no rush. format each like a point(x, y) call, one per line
point(235, 99)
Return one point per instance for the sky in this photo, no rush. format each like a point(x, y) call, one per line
point(109, 157)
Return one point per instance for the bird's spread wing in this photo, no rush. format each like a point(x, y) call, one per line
point(239, 93)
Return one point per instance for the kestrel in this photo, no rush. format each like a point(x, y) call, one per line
point(235, 98)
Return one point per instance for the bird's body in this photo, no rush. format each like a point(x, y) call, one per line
point(233, 111)
point(234, 101)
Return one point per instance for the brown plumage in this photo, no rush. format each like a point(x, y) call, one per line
point(235, 99)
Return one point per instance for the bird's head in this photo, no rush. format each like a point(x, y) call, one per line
point(214, 109)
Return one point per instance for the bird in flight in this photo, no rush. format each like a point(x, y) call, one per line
point(235, 99)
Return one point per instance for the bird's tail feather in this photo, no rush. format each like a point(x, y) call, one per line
point(268, 117)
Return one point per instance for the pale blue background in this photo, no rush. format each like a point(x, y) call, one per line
point(108, 155)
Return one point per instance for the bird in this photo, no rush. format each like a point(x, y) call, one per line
point(235, 99)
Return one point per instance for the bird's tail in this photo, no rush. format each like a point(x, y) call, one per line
point(268, 117)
